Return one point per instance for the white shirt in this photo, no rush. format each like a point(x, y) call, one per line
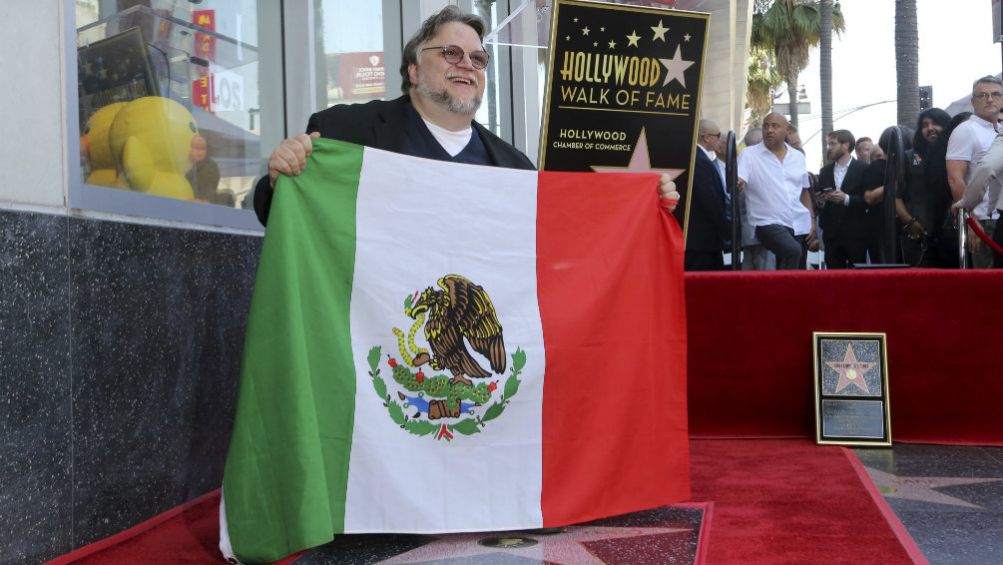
point(839, 172)
point(772, 187)
point(969, 142)
point(452, 141)
point(721, 169)
point(710, 154)
point(802, 215)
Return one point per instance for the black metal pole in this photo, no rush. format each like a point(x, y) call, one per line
point(731, 179)
point(894, 174)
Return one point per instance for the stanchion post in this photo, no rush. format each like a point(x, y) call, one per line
point(731, 178)
point(962, 220)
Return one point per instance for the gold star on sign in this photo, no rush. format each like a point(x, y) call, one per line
point(567, 38)
point(687, 37)
point(586, 30)
point(575, 20)
point(603, 29)
point(632, 39)
point(659, 31)
point(595, 44)
point(612, 44)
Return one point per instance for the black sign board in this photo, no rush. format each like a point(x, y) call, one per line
point(623, 92)
point(851, 389)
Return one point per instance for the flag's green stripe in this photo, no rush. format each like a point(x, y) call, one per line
point(287, 468)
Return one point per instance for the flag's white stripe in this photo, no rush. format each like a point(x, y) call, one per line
point(417, 221)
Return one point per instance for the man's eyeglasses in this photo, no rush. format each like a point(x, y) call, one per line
point(453, 55)
point(717, 135)
point(987, 95)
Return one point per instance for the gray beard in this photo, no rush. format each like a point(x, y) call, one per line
point(443, 99)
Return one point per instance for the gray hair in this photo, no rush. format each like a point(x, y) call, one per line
point(986, 79)
point(708, 126)
point(428, 30)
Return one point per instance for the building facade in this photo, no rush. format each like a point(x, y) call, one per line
point(124, 296)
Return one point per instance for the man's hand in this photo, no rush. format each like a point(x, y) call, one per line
point(915, 231)
point(667, 192)
point(811, 240)
point(289, 158)
point(835, 196)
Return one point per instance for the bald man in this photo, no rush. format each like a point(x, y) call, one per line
point(708, 229)
point(773, 175)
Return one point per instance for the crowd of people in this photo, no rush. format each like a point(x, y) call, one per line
point(785, 211)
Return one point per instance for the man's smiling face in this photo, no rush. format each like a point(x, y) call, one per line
point(456, 86)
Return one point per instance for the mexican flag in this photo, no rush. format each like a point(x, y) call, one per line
point(436, 347)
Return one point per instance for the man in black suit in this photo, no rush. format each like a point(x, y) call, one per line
point(847, 232)
point(442, 77)
point(707, 228)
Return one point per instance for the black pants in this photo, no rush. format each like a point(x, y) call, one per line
point(781, 241)
point(704, 261)
point(842, 253)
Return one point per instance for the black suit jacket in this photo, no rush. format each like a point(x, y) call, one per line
point(380, 124)
point(707, 230)
point(845, 222)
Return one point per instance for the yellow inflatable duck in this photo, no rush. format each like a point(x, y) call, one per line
point(151, 138)
point(96, 147)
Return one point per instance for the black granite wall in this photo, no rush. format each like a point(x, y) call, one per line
point(120, 348)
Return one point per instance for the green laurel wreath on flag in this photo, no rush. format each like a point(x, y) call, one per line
point(467, 426)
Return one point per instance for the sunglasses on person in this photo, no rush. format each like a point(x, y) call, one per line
point(453, 55)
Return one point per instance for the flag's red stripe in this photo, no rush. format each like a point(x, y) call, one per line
point(609, 272)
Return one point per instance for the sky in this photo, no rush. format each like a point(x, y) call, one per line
point(955, 48)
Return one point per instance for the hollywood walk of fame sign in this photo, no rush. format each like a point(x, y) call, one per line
point(623, 94)
point(851, 389)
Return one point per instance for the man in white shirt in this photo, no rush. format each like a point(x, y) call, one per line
point(988, 175)
point(773, 174)
point(965, 148)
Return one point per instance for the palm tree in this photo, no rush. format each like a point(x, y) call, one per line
point(907, 62)
point(763, 82)
point(825, 70)
point(790, 28)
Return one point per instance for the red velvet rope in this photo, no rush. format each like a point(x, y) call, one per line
point(972, 223)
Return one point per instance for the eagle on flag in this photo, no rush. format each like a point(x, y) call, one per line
point(460, 310)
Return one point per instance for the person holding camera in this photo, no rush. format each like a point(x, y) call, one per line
point(842, 213)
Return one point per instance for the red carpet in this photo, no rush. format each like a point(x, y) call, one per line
point(775, 502)
point(750, 349)
point(186, 535)
point(790, 502)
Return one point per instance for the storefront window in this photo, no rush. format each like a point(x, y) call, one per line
point(352, 43)
point(169, 97)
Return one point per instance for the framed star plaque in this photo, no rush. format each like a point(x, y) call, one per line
point(623, 91)
point(851, 389)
